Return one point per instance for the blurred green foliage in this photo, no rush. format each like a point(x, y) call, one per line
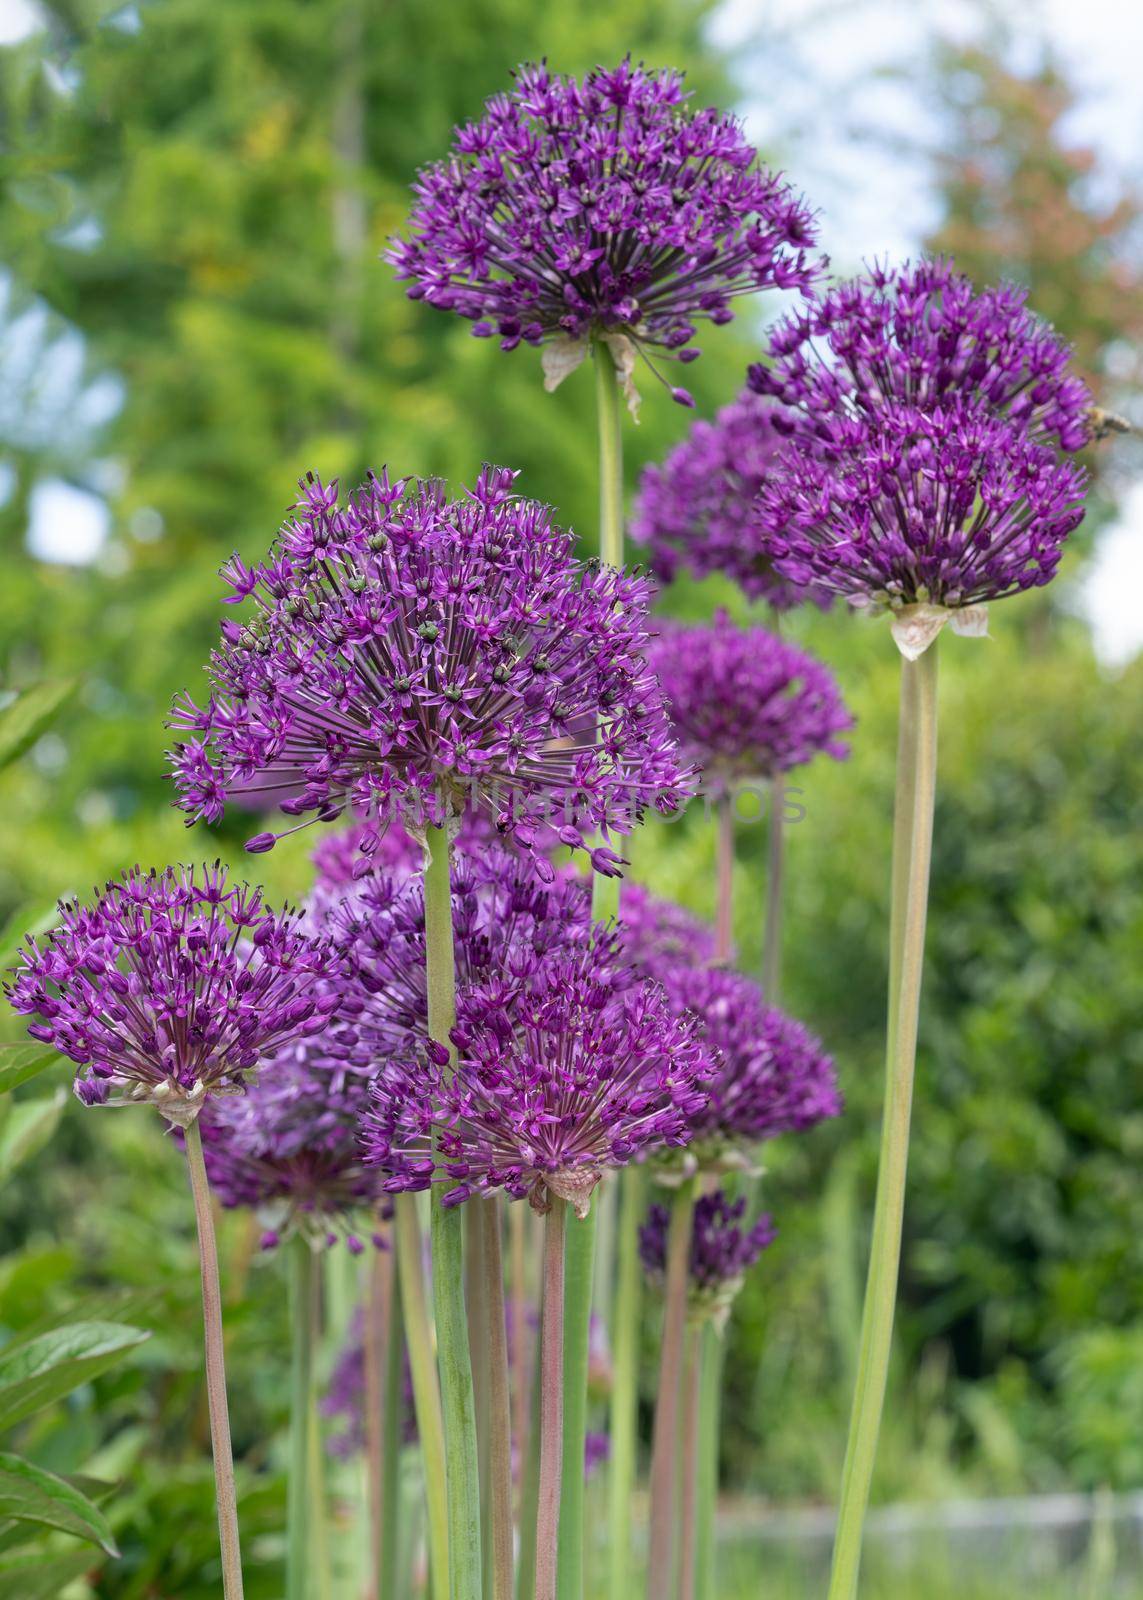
point(200, 194)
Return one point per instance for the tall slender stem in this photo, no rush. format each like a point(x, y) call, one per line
point(689, 1460)
point(772, 931)
point(579, 1250)
point(710, 1381)
point(665, 1435)
point(478, 1314)
point(499, 1406)
point(551, 1403)
point(393, 1438)
point(215, 1368)
point(426, 1391)
point(300, 1564)
point(517, 1223)
point(530, 1483)
point(462, 1473)
point(912, 850)
point(382, 1332)
point(609, 414)
point(724, 908)
point(625, 1381)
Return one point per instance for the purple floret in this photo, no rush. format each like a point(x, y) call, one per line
point(926, 423)
point(175, 986)
point(412, 656)
point(721, 1254)
point(746, 704)
point(602, 206)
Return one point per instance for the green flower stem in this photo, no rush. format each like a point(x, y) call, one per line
point(382, 1426)
point(625, 1380)
point(772, 930)
point(215, 1368)
point(530, 1483)
point(665, 1435)
point(609, 412)
point(301, 1565)
point(426, 1390)
point(462, 1472)
point(478, 1318)
point(912, 849)
point(579, 1274)
point(724, 892)
point(710, 1405)
point(548, 1516)
point(521, 1384)
point(689, 1460)
point(499, 1406)
point(393, 1403)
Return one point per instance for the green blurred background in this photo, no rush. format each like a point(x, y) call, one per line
point(192, 313)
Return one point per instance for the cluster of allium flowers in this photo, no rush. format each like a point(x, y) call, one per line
point(926, 425)
point(174, 986)
point(411, 655)
point(722, 1250)
point(507, 919)
point(697, 510)
point(659, 936)
point(605, 206)
point(745, 703)
point(559, 1077)
point(290, 1150)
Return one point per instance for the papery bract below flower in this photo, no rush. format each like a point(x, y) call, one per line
point(602, 205)
point(412, 655)
point(722, 1250)
point(926, 422)
point(697, 509)
point(745, 703)
point(290, 1147)
point(573, 1075)
point(174, 986)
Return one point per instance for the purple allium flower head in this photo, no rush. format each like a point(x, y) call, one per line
point(602, 206)
point(345, 1399)
point(568, 1074)
point(411, 654)
point(745, 703)
point(698, 510)
point(596, 1452)
point(659, 936)
point(926, 425)
point(722, 1250)
point(174, 986)
point(290, 1148)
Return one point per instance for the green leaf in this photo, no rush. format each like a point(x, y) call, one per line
point(20, 1062)
point(30, 715)
point(46, 1577)
point(29, 1494)
point(43, 1369)
point(26, 1130)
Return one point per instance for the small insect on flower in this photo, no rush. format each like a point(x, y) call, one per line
point(414, 657)
point(697, 509)
point(174, 986)
point(604, 207)
point(567, 1075)
point(745, 704)
point(926, 469)
point(721, 1254)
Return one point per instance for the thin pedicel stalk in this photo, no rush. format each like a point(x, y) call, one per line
point(579, 1275)
point(215, 1368)
point(426, 1392)
point(689, 1461)
point(300, 1564)
point(551, 1402)
point(710, 1381)
point(457, 1401)
point(499, 1405)
point(912, 849)
point(625, 1379)
point(665, 1436)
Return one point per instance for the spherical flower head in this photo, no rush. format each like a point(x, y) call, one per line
point(289, 1148)
point(412, 656)
point(697, 510)
point(604, 206)
point(746, 704)
point(722, 1251)
point(926, 425)
point(569, 1076)
point(658, 936)
point(174, 986)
